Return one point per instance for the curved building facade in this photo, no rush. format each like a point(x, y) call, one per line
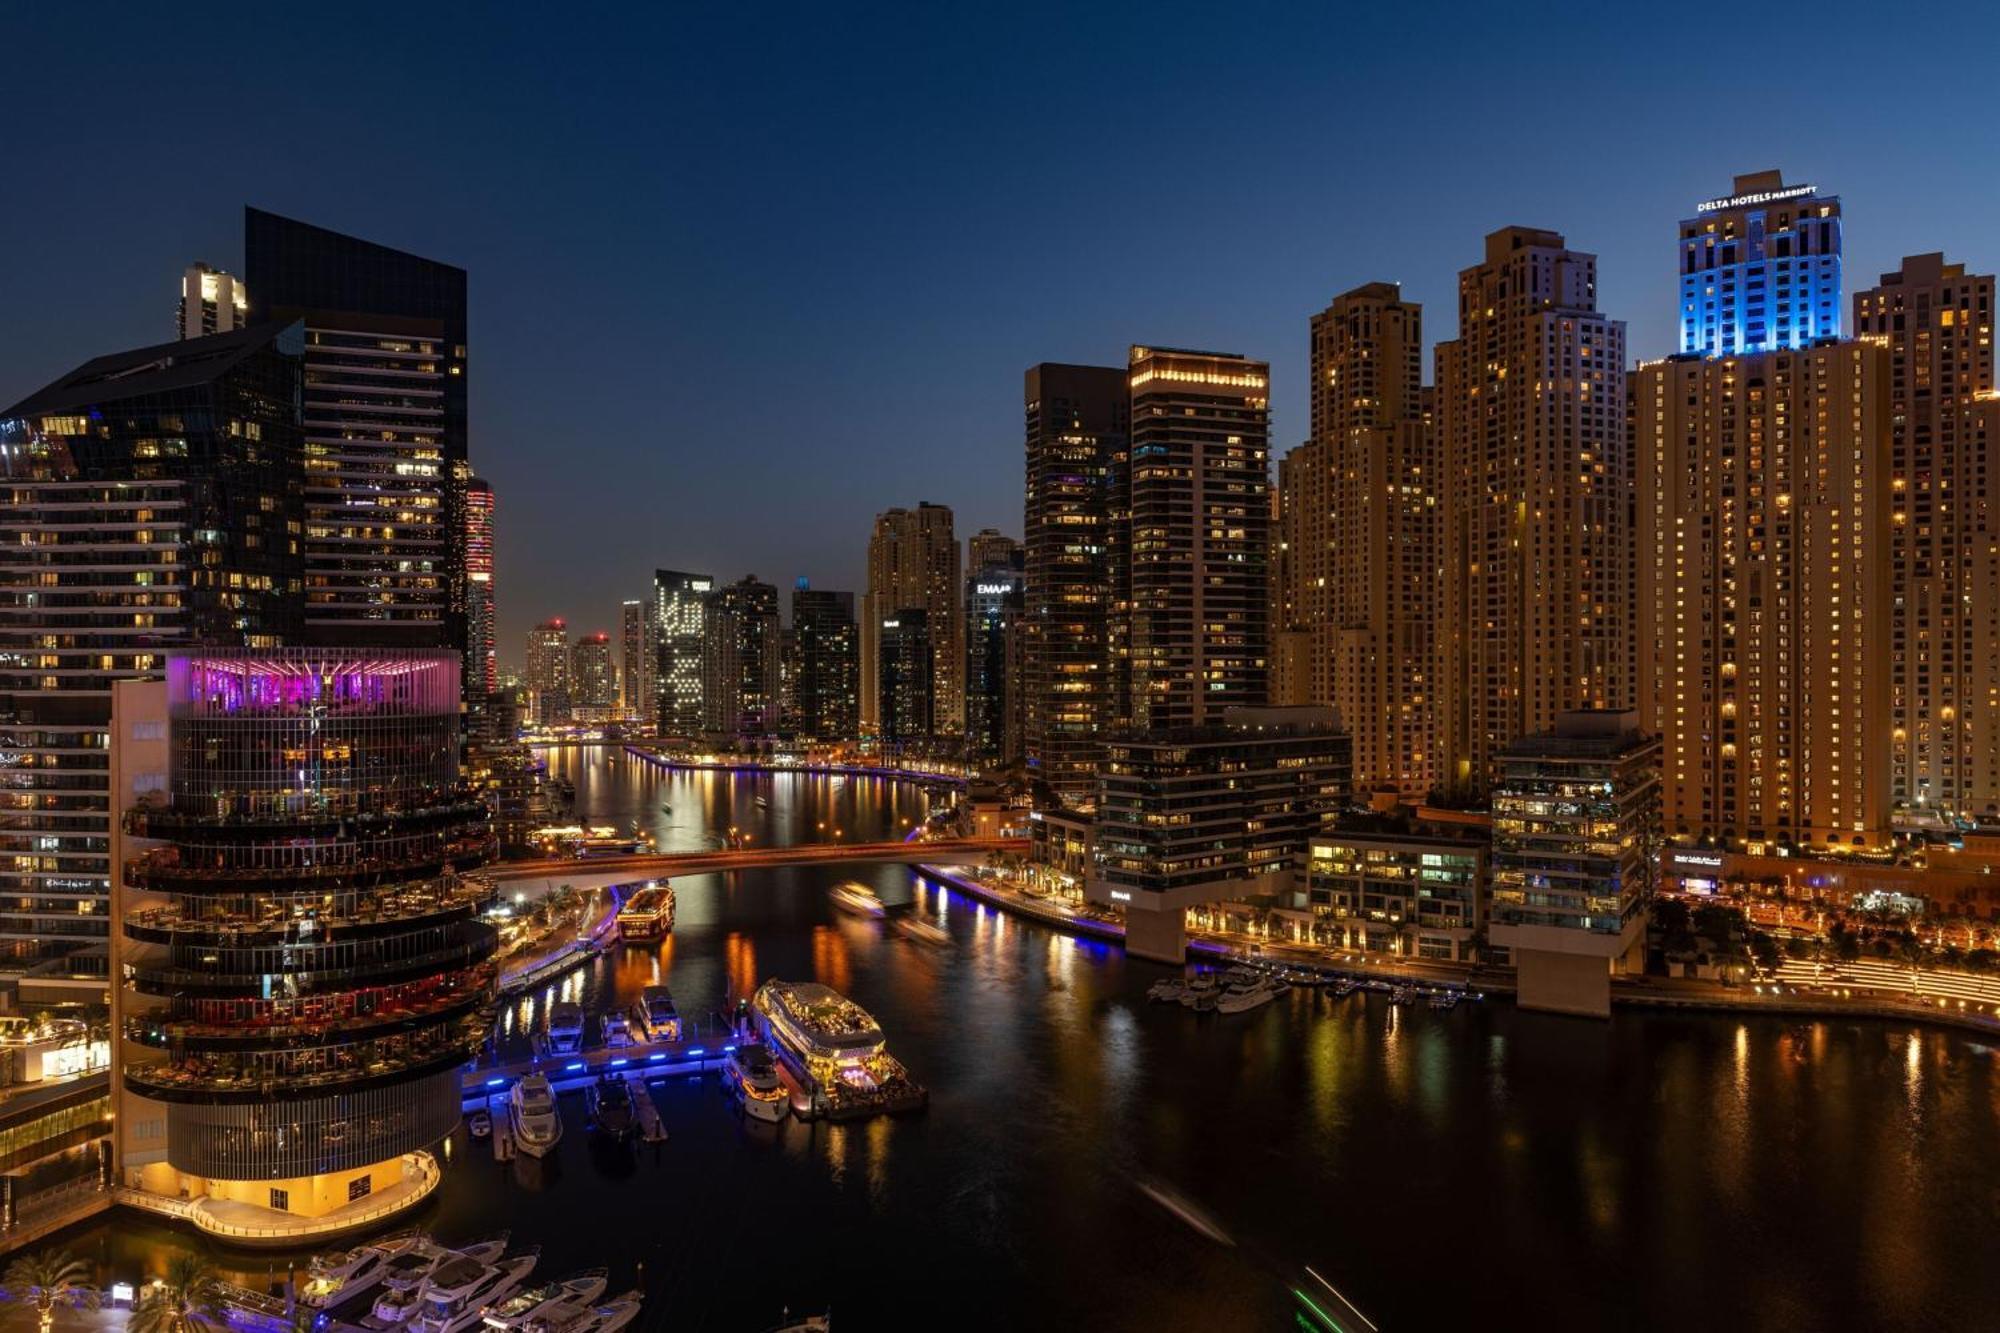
point(305, 966)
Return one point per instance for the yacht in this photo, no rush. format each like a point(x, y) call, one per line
point(655, 1016)
point(1200, 991)
point(617, 1028)
point(565, 1028)
point(611, 1111)
point(404, 1276)
point(921, 929)
point(531, 1106)
point(578, 1317)
point(853, 896)
point(1167, 990)
point(454, 1296)
point(530, 1303)
point(348, 1271)
point(750, 1076)
point(1243, 994)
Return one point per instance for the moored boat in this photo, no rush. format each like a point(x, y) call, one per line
point(750, 1077)
point(345, 1272)
point(611, 1109)
point(531, 1106)
point(454, 1296)
point(655, 1016)
point(523, 1307)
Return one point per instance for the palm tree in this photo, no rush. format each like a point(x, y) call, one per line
point(183, 1302)
point(52, 1278)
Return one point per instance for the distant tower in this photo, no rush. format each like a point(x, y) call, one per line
point(638, 661)
point(549, 671)
point(828, 668)
point(913, 565)
point(211, 302)
point(593, 679)
point(481, 663)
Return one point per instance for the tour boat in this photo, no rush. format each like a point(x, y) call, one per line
point(835, 1047)
point(750, 1076)
point(531, 1303)
point(578, 1317)
point(404, 1276)
point(922, 929)
point(853, 896)
point(610, 1101)
point(565, 1028)
point(343, 1271)
point(532, 1106)
point(655, 1016)
point(454, 1296)
point(647, 915)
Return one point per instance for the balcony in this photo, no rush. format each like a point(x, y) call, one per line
point(475, 945)
point(166, 870)
point(456, 1001)
point(206, 1083)
point(429, 902)
point(460, 802)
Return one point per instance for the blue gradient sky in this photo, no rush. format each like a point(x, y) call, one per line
point(743, 275)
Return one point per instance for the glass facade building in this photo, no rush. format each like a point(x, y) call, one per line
point(827, 647)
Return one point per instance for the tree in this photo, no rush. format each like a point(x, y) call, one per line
point(1765, 950)
point(52, 1279)
point(185, 1301)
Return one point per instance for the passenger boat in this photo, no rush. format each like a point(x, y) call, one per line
point(606, 841)
point(610, 1101)
point(855, 897)
point(654, 1015)
point(751, 1077)
point(578, 1317)
point(404, 1276)
point(454, 1296)
point(922, 929)
point(565, 1028)
point(329, 1276)
point(531, 1104)
point(531, 1303)
point(647, 915)
point(836, 1047)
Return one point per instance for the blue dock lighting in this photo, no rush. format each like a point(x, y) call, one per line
point(620, 1063)
point(574, 1064)
point(496, 1082)
point(727, 1049)
point(656, 1056)
point(698, 1051)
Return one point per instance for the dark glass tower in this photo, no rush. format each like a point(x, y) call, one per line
point(828, 665)
point(385, 431)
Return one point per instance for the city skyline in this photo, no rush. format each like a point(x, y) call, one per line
point(575, 266)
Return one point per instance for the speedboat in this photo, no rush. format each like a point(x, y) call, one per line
point(579, 1317)
point(853, 896)
point(762, 804)
point(405, 1275)
point(480, 1123)
point(347, 1271)
point(454, 1296)
point(751, 1077)
point(530, 1303)
point(531, 1104)
point(610, 1100)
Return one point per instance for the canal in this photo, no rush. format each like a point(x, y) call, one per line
point(1093, 1161)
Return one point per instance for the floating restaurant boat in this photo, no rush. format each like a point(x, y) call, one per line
point(835, 1047)
point(751, 1078)
point(654, 1015)
point(647, 915)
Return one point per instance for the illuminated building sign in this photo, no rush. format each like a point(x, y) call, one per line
point(1120, 896)
point(1761, 197)
point(993, 589)
point(1694, 861)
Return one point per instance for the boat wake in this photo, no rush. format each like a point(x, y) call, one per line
point(1186, 1210)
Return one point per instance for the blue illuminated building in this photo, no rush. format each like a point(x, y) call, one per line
point(1760, 269)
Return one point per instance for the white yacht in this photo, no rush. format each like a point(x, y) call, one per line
point(404, 1276)
point(1243, 994)
point(531, 1106)
point(565, 1028)
point(348, 1271)
point(655, 1016)
point(750, 1076)
point(617, 1029)
point(456, 1294)
point(1200, 991)
point(530, 1303)
point(579, 1317)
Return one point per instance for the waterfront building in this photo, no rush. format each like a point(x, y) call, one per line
point(1360, 567)
point(1765, 623)
point(1401, 883)
point(593, 678)
point(1539, 570)
point(637, 691)
point(385, 428)
point(481, 596)
point(548, 673)
point(679, 630)
point(993, 609)
point(211, 302)
point(309, 828)
point(1936, 320)
point(147, 505)
point(1576, 836)
point(741, 681)
point(906, 675)
point(1220, 811)
point(913, 565)
point(1760, 269)
point(1078, 418)
point(514, 780)
point(1200, 535)
point(828, 666)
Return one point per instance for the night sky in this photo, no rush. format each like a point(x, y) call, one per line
point(743, 274)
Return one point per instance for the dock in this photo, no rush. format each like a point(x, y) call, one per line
point(650, 1128)
point(480, 1087)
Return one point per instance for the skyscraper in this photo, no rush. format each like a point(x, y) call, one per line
point(907, 678)
point(638, 693)
point(741, 668)
point(1539, 569)
point(991, 548)
point(1764, 625)
point(1944, 537)
point(679, 628)
point(385, 429)
point(1200, 535)
point(828, 644)
point(1760, 268)
point(593, 678)
point(1077, 422)
point(993, 610)
point(482, 663)
point(913, 566)
point(548, 672)
point(211, 302)
point(1360, 537)
point(149, 502)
